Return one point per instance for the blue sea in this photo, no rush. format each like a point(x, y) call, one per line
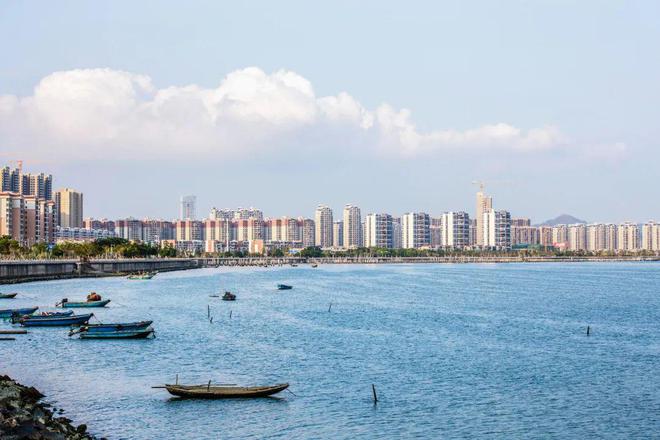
point(454, 351)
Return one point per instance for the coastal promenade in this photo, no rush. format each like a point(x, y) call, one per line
point(17, 271)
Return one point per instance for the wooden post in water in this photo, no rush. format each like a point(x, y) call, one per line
point(177, 379)
point(329, 307)
point(588, 330)
point(208, 387)
point(208, 311)
point(373, 389)
point(230, 314)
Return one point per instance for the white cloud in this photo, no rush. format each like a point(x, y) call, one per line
point(97, 113)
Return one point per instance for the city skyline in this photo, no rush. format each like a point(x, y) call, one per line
point(560, 121)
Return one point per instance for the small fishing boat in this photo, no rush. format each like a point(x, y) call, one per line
point(131, 330)
point(209, 391)
point(120, 334)
point(284, 287)
point(122, 326)
point(228, 296)
point(65, 303)
point(8, 295)
point(54, 321)
point(53, 314)
point(141, 276)
point(294, 265)
point(8, 313)
point(315, 265)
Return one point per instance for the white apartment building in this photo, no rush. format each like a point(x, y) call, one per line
point(352, 227)
point(415, 230)
point(323, 222)
point(628, 237)
point(497, 229)
point(338, 234)
point(455, 229)
point(651, 236)
point(378, 231)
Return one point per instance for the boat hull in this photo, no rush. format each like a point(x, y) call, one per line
point(56, 321)
point(8, 295)
point(124, 334)
point(204, 392)
point(128, 326)
point(71, 305)
point(8, 313)
point(284, 287)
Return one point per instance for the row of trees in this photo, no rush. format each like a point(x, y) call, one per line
point(105, 247)
point(119, 247)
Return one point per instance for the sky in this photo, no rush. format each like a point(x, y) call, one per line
point(393, 106)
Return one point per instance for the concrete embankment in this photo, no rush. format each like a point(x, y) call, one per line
point(38, 270)
point(23, 417)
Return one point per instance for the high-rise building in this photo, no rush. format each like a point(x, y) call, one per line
point(338, 234)
point(628, 237)
point(69, 208)
point(189, 230)
point(323, 221)
point(484, 204)
point(10, 180)
point(227, 214)
point(651, 236)
point(455, 229)
point(378, 231)
point(435, 232)
point(187, 208)
point(497, 229)
point(415, 230)
point(577, 237)
point(308, 232)
point(352, 237)
point(397, 233)
point(545, 235)
point(560, 236)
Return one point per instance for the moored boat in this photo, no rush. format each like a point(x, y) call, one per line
point(54, 321)
point(315, 265)
point(141, 276)
point(8, 313)
point(122, 326)
point(209, 391)
point(65, 303)
point(53, 314)
point(284, 287)
point(125, 333)
point(228, 296)
point(8, 295)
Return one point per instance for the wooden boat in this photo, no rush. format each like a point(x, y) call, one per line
point(141, 276)
point(228, 296)
point(8, 313)
point(284, 287)
point(108, 328)
point(65, 303)
point(55, 321)
point(315, 265)
point(142, 333)
point(8, 295)
point(52, 314)
point(294, 265)
point(209, 391)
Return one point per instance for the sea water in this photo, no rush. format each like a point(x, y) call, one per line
point(454, 351)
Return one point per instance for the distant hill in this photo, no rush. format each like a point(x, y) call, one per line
point(563, 219)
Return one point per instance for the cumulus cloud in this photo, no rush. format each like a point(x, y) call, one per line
point(96, 113)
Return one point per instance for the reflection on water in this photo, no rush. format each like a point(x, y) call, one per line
point(454, 351)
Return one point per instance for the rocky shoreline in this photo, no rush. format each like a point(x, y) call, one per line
point(23, 417)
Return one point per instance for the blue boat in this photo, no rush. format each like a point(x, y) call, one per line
point(53, 314)
point(55, 321)
point(284, 287)
point(119, 334)
point(8, 313)
point(107, 328)
point(65, 303)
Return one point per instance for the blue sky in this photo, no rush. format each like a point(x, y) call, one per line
point(389, 105)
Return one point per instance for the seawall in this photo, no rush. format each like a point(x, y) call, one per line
point(39, 270)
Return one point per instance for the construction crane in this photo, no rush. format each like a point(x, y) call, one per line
point(480, 183)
